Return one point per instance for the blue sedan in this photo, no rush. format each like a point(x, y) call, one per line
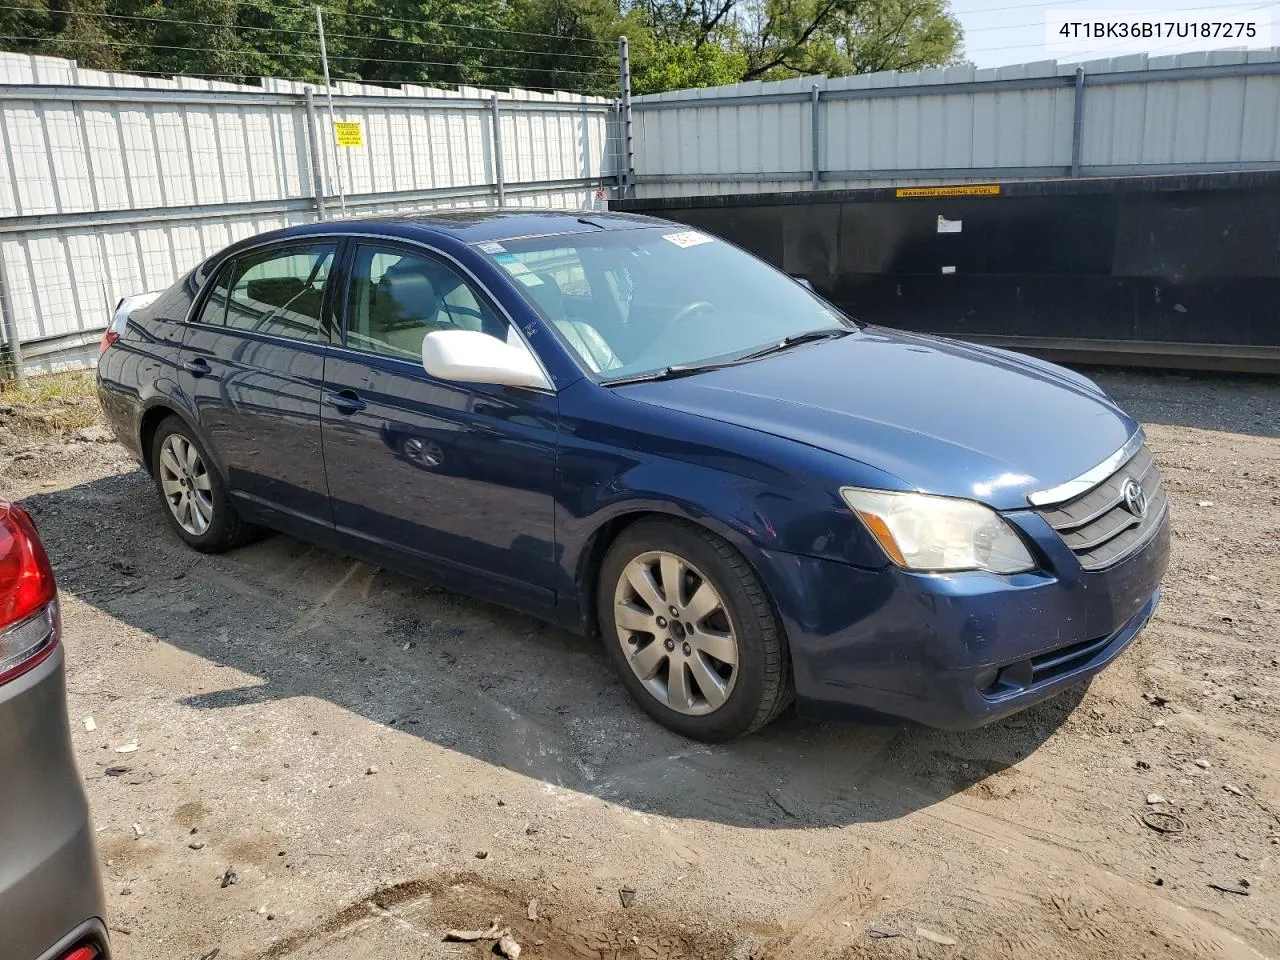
point(643, 433)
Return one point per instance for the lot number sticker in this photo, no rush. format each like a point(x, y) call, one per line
point(349, 134)
point(690, 238)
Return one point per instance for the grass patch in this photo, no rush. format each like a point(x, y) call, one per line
point(50, 404)
point(47, 387)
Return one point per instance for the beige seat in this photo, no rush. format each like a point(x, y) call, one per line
point(582, 336)
point(407, 309)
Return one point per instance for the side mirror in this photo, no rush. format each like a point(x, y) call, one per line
point(468, 356)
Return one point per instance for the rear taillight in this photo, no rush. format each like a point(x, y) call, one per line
point(85, 952)
point(116, 327)
point(28, 595)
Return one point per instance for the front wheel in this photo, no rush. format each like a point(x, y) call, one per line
point(691, 631)
point(194, 495)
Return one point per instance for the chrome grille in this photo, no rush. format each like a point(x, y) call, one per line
point(1099, 527)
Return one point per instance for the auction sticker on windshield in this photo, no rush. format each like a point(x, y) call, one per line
point(689, 238)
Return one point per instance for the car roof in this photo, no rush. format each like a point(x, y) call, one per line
point(467, 226)
point(478, 225)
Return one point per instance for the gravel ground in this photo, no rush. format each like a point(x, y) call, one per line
point(378, 760)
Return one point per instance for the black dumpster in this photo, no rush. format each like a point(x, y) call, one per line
point(1174, 271)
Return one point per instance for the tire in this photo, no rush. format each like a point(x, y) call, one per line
point(738, 698)
point(211, 524)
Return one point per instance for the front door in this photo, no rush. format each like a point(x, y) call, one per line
point(253, 364)
point(459, 474)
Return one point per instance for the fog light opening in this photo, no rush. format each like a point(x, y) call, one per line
point(987, 680)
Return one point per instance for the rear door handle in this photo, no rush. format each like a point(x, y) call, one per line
point(346, 402)
point(197, 367)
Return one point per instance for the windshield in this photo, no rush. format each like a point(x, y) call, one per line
point(631, 302)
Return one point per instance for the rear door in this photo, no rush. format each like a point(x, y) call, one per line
point(459, 474)
point(253, 364)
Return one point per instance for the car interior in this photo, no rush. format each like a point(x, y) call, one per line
point(280, 295)
point(581, 334)
point(397, 299)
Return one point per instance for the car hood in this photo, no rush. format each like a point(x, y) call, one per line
point(941, 416)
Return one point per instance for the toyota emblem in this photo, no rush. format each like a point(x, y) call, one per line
point(1135, 498)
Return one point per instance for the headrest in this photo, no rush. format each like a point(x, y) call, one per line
point(410, 292)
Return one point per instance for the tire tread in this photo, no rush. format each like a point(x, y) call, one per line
point(778, 688)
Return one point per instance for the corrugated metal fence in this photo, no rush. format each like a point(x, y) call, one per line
point(117, 184)
point(1128, 115)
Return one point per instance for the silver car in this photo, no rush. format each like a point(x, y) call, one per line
point(51, 904)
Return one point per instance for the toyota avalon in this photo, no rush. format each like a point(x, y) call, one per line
point(643, 433)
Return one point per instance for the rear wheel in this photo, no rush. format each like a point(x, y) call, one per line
point(691, 631)
point(194, 495)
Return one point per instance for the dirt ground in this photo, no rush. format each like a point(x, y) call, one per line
point(378, 760)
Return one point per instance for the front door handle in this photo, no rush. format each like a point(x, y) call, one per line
point(346, 402)
point(197, 367)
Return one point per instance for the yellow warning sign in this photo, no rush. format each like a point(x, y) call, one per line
point(349, 134)
point(956, 190)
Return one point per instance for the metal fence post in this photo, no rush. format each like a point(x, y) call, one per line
point(814, 110)
point(328, 89)
point(13, 343)
point(627, 176)
point(1077, 124)
point(497, 151)
point(313, 145)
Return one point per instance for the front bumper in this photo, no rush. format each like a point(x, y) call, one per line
point(50, 890)
point(962, 650)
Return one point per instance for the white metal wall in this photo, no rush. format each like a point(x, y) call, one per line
point(104, 195)
point(1158, 124)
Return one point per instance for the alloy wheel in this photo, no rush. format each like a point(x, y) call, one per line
point(676, 633)
point(186, 485)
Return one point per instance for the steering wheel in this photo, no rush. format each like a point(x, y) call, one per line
point(684, 313)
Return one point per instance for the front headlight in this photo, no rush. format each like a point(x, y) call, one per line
point(920, 532)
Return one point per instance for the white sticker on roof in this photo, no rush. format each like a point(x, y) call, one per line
point(492, 246)
point(689, 238)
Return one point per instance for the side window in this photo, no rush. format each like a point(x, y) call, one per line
point(214, 310)
point(279, 292)
point(398, 297)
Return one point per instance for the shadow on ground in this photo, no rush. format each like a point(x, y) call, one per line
point(503, 688)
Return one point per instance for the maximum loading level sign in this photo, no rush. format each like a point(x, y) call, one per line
point(955, 190)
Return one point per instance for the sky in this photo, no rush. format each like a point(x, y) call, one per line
point(999, 32)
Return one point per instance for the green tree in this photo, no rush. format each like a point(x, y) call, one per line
point(842, 37)
point(73, 29)
point(556, 44)
point(684, 64)
point(567, 44)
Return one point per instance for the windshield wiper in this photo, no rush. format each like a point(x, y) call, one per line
point(684, 369)
point(669, 373)
point(786, 343)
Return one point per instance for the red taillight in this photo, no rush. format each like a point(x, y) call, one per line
point(108, 339)
point(85, 952)
point(28, 614)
